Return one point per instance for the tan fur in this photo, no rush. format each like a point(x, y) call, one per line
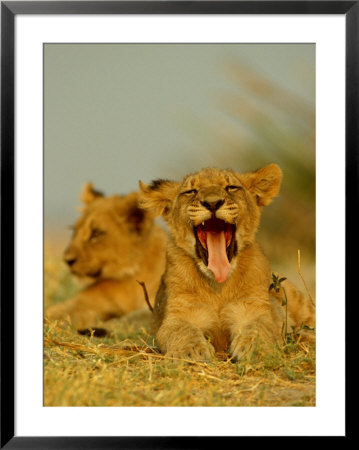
point(195, 314)
point(114, 243)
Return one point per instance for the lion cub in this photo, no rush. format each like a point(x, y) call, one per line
point(214, 292)
point(115, 243)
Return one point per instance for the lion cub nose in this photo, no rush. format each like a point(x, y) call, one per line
point(70, 259)
point(212, 204)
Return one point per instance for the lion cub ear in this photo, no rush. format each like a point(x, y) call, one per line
point(137, 219)
point(158, 196)
point(264, 183)
point(89, 194)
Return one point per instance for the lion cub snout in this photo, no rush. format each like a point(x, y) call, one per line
point(71, 254)
point(70, 259)
point(211, 198)
point(212, 204)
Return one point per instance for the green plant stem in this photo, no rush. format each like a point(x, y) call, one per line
point(286, 315)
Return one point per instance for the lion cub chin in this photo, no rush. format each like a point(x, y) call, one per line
point(114, 244)
point(214, 292)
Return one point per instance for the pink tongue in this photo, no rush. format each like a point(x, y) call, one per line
point(217, 257)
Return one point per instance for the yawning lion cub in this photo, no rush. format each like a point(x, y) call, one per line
point(214, 292)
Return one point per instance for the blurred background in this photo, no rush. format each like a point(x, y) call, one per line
point(118, 113)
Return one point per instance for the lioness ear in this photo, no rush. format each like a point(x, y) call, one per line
point(264, 183)
point(89, 194)
point(158, 196)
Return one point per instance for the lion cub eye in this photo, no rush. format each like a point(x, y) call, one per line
point(233, 188)
point(96, 233)
point(190, 192)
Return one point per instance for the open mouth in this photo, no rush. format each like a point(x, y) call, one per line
point(216, 246)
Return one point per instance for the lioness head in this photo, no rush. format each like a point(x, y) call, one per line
point(107, 239)
point(213, 214)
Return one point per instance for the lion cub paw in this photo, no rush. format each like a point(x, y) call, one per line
point(243, 346)
point(196, 351)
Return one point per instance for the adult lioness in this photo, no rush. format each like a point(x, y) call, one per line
point(217, 277)
point(115, 243)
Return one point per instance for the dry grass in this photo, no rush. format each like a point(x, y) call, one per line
point(126, 369)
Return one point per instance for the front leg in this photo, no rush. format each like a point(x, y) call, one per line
point(251, 325)
point(83, 311)
point(178, 338)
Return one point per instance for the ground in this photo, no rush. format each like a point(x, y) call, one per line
point(126, 369)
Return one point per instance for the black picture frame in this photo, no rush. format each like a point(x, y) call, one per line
point(9, 10)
